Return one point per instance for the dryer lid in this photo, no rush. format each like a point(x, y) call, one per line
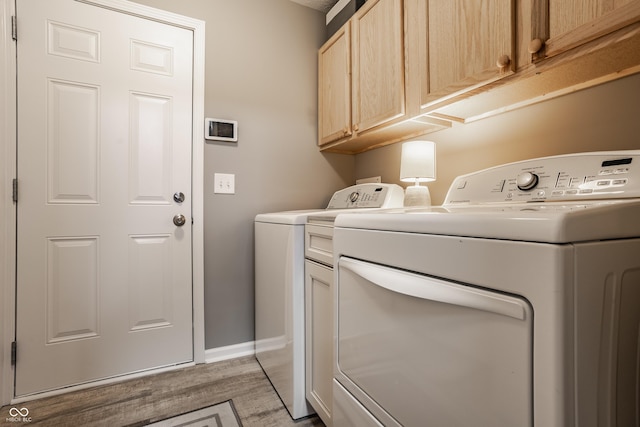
point(548, 222)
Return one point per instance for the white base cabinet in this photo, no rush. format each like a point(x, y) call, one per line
point(318, 298)
point(319, 334)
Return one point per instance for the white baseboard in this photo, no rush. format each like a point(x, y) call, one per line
point(219, 354)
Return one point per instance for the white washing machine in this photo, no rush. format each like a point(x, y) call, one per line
point(516, 303)
point(279, 288)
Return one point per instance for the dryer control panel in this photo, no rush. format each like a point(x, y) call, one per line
point(572, 177)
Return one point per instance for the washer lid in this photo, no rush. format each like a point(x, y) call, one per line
point(287, 217)
point(365, 196)
point(544, 222)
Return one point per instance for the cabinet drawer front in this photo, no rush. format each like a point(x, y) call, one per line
point(318, 243)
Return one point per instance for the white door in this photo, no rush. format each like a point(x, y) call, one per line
point(104, 283)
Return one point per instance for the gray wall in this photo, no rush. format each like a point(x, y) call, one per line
point(261, 69)
point(605, 117)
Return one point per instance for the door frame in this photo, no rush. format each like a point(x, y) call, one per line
point(8, 153)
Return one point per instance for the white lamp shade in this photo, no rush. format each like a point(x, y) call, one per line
point(418, 161)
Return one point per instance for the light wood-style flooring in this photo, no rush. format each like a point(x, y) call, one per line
point(140, 401)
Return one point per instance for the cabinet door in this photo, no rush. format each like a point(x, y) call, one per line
point(464, 44)
point(319, 338)
point(575, 22)
point(334, 88)
point(378, 64)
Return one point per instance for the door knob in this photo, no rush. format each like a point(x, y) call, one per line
point(178, 197)
point(179, 220)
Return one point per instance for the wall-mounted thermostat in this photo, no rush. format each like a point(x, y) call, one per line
point(221, 130)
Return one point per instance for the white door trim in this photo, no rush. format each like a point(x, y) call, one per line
point(8, 172)
point(7, 207)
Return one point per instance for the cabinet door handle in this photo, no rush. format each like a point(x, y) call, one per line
point(535, 45)
point(503, 61)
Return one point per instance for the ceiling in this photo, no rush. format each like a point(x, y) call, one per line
point(321, 5)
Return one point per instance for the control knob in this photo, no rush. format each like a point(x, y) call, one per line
point(353, 197)
point(527, 181)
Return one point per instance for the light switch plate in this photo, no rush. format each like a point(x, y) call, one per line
point(224, 183)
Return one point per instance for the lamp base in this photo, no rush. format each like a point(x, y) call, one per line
point(417, 195)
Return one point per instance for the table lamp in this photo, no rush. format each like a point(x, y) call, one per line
point(418, 164)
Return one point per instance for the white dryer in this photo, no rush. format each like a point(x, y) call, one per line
point(516, 303)
point(279, 288)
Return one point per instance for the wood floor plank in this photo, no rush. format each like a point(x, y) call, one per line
point(148, 399)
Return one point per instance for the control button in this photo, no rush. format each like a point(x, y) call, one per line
point(586, 191)
point(527, 181)
point(557, 193)
point(621, 170)
point(603, 183)
point(606, 172)
point(571, 192)
point(619, 182)
point(541, 193)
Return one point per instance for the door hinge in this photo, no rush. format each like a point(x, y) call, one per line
point(14, 353)
point(15, 190)
point(14, 28)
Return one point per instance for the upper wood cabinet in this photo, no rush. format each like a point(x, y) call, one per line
point(361, 72)
point(367, 96)
point(572, 23)
point(334, 88)
point(463, 44)
point(417, 66)
point(378, 64)
point(562, 46)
